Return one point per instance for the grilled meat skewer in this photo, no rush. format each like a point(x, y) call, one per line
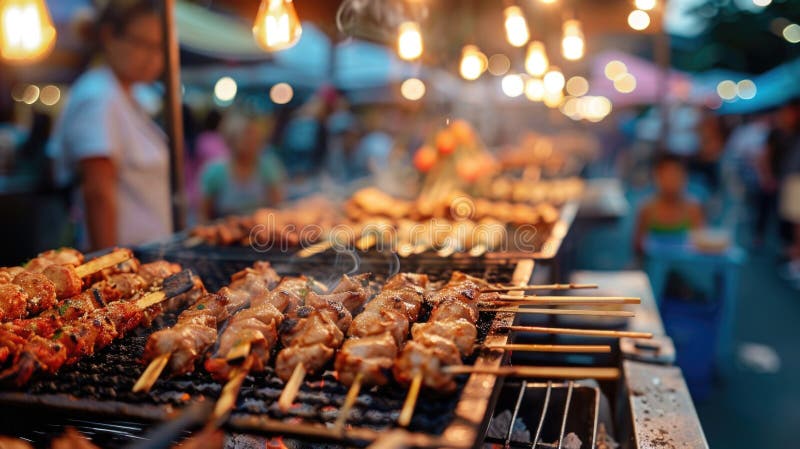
point(89, 333)
point(28, 293)
point(14, 334)
point(183, 344)
point(376, 333)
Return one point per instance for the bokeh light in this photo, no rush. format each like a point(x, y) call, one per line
point(30, 94)
point(615, 69)
point(499, 64)
point(645, 5)
point(412, 89)
point(281, 93)
point(638, 20)
point(577, 86)
point(792, 33)
point(534, 89)
point(625, 83)
point(512, 85)
point(225, 89)
point(50, 95)
point(554, 80)
point(727, 90)
point(746, 89)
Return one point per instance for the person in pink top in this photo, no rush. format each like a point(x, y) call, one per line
point(209, 146)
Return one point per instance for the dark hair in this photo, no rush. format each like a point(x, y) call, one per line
point(664, 159)
point(212, 121)
point(116, 15)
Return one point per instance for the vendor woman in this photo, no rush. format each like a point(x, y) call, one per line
point(105, 144)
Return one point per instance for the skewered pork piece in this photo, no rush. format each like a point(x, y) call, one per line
point(196, 330)
point(85, 335)
point(449, 334)
point(313, 338)
point(62, 256)
point(30, 292)
point(14, 334)
point(376, 333)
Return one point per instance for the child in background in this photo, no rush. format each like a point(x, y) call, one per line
point(670, 213)
point(251, 178)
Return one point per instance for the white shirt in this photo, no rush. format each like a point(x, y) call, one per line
point(101, 120)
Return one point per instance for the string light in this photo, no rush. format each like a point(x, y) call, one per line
point(536, 62)
point(553, 80)
point(512, 85)
point(516, 26)
point(409, 41)
point(27, 33)
point(791, 33)
point(572, 44)
point(645, 5)
point(638, 20)
point(553, 99)
point(473, 63)
point(50, 95)
point(412, 89)
point(534, 89)
point(277, 26)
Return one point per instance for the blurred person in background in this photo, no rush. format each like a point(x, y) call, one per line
point(670, 213)
point(250, 178)
point(105, 144)
point(785, 148)
point(775, 163)
point(711, 143)
point(209, 146)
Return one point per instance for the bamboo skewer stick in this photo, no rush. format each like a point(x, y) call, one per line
point(550, 348)
point(478, 250)
point(583, 332)
point(567, 300)
point(316, 248)
point(554, 372)
point(582, 312)
point(513, 288)
point(349, 402)
point(292, 387)
point(151, 373)
point(411, 401)
point(239, 351)
point(101, 263)
point(366, 242)
point(227, 400)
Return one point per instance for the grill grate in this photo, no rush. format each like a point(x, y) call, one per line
point(107, 377)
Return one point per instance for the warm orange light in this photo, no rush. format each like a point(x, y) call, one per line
point(409, 41)
point(277, 26)
point(27, 33)
point(473, 63)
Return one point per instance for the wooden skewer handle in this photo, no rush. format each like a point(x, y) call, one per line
point(291, 388)
point(349, 402)
point(151, 374)
point(315, 249)
point(587, 312)
point(105, 261)
point(550, 372)
point(574, 299)
point(411, 401)
point(583, 332)
point(513, 288)
point(551, 348)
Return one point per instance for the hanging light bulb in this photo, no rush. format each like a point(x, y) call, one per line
point(409, 41)
point(572, 44)
point(27, 33)
point(536, 61)
point(534, 89)
point(516, 27)
point(277, 26)
point(473, 63)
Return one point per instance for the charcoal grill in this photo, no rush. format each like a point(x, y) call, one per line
point(100, 385)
